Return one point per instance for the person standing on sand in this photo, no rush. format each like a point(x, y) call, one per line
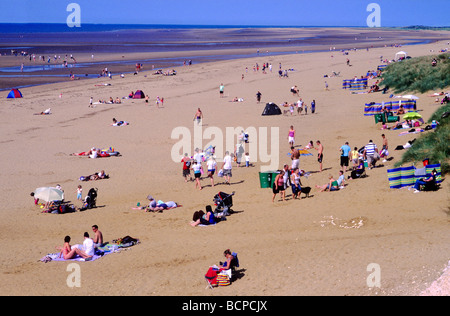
point(258, 97)
point(313, 106)
point(198, 116)
point(197, 174)
point(384, 150)
point(221, 88)
point(186, 160)
point(291, 136)
point(345, 156)
point(226, 167)
point(319, 154)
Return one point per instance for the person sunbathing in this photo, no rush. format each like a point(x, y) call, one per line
point(228, 264)
point(118, 123)
point(46, 112)
point(202, 218)
point(332, 185)
point(67, 252)
point(401, 110)
point(425, 181)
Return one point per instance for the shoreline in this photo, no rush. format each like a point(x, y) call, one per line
point(122, 62)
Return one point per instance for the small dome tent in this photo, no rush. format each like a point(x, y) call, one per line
point(139, 94)
point(271, 109)
point(14, 94)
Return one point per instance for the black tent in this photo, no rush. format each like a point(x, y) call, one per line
point(271, 109)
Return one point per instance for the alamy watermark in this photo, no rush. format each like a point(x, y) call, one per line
point(374, 18)
point(74, 277)
point(374, 278)
point(74, 18)
point(257, 146)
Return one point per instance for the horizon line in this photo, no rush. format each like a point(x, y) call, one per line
point(233, 25)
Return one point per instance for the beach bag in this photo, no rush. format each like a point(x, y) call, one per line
point(223, 280)
point(220, 173)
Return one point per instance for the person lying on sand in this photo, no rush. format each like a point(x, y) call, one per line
point(119, 123)
point(159, 206)
point(95, 176)
point(202, 218)
point(46, 112)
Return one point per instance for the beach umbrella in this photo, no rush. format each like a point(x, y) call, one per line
point(49, 194)
point(412, 116)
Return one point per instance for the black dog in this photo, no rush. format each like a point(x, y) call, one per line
point(305, 190)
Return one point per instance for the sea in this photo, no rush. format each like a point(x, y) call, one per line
point(45, 39)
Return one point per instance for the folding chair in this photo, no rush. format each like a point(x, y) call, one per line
point(211, 278)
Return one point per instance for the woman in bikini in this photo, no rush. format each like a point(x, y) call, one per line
point(70, 253)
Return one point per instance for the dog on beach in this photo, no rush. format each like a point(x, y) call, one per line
point(305, 190)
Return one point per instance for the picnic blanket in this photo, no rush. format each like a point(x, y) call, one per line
point(407, 176)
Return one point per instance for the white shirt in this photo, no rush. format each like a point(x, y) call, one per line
point(211, 164)
point(227, 161)
point(88, 246)
point(197, 168)
point(198, 158)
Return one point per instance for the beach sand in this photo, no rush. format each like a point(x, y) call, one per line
point(321, 245)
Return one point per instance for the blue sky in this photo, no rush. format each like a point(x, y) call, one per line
point(230, 12)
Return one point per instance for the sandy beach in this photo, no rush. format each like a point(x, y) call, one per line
point(321, 245)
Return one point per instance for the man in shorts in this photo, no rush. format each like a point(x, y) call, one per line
point(226, 167)
point(371, 154)
point(345, 153)
point(319, 154)
point(186, 167)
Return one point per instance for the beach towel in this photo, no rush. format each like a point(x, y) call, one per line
point(100, 252)
point(106, 249)
point(407, 176)
point(412, 131)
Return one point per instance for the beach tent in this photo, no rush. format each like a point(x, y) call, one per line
point(400, 55)
point(139, 94)
point(271, 109)
point(14, 93)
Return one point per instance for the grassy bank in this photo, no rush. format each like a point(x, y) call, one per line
point(433, 145)
point(417, 74)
